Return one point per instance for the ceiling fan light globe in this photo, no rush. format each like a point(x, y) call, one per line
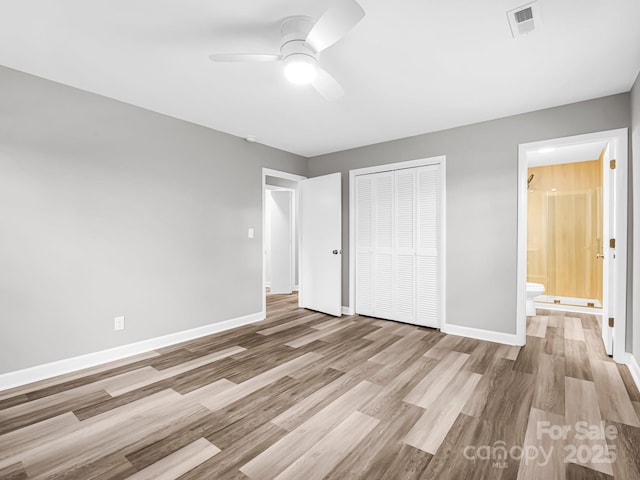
point(300, 69)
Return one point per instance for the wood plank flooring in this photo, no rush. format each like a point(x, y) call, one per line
point(305, 396)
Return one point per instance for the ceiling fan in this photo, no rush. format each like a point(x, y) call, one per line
point(303, 38)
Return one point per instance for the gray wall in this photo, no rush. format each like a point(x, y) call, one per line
point(481, 185)
point(107, 209)
point(281, 182)
point(635, 169)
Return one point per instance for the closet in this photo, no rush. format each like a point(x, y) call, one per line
point(397, 235)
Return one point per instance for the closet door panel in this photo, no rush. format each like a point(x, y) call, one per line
point(405, 207)
point(404, 288)
point(364, 244)
point(427, 306)
point(364, 279)
point(383, 244)
point(383, 279)
point(428, 209)
point(383, 205)
point(428, 224)
point(404, 284)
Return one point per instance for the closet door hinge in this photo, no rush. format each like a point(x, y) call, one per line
point(611, 322)
point(612, 164)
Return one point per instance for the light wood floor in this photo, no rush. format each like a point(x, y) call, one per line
point(304, 396)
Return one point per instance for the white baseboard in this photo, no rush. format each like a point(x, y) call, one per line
point(68, 365)
point(488, 335)
point(294, 289)
point(347, 311)
point(634, 368)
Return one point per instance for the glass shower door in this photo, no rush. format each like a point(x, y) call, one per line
point(574, 242)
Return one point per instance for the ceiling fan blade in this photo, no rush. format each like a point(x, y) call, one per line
point(334, 24)
point(327, 86)
point(244, 57)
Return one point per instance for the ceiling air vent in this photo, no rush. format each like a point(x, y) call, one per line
point(524, 19)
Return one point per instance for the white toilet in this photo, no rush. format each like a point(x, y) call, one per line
point(533, 290)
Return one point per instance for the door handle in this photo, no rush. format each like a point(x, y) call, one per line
point(599, 255)
point(336, 252)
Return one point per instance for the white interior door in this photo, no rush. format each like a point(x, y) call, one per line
point(320, 223)
point(609, 267)
point(281, 241)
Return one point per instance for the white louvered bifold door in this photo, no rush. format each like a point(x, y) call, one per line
point(404, 252)
point(428, 229)
point(364, 244)
point(397, 231)
point(383, 244)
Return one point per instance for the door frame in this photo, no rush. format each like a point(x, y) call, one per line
point(618, 142)
point(442, 253)
point(268, 172)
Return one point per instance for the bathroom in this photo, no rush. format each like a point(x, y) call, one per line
point(566, 228)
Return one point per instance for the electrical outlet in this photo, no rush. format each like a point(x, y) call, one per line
point(118, 323)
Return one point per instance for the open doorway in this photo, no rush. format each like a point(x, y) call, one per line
point(569, 249)
point(280, 239)
point(280, 227)
point(316, 238)
point(565, 226)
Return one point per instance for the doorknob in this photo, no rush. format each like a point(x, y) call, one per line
point(599, 255)
point(336, 252)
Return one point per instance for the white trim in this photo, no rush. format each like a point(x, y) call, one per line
point(634, 368)
point(442, 253)
point(274, 188)
point(279, 174)
point(68, 365)
point(521, 263)
point(286, 176)
point(390, 167)
point(620, 154)
point(347, 310)
point(619, 141)
point(487, 335)
point(608, 202)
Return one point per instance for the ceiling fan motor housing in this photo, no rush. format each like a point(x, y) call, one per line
point(294, 33)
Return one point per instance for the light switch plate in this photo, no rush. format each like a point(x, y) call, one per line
point(118, 323)
point(250, 233)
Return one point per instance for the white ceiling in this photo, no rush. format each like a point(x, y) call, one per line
point(582, 152)
point(409, 67)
